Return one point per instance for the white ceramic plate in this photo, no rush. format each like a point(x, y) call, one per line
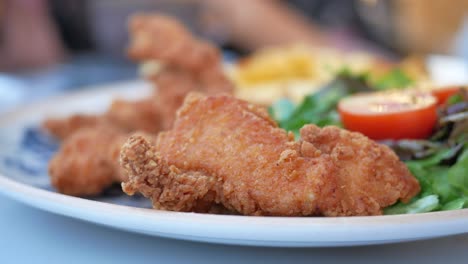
point(25, 150)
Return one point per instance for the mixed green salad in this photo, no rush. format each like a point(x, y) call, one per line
point(438, 161)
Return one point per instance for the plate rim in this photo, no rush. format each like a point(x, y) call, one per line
point(340, 231)
point(290, 231)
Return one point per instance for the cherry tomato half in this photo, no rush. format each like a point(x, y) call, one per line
point(390, 115)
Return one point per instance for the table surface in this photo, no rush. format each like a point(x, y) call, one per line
point(33, 236)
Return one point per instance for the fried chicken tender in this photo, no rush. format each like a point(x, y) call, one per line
point(189, 64)
point(87, 161)
point(226, 151)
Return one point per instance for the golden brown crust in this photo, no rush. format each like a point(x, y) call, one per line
point(169, 187)
point(369, 175)
point(259, 169)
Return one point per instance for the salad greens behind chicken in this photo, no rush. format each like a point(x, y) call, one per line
point(318, 108)
point(440, 162)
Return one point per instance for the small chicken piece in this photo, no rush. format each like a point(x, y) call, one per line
point(87, 161)
point(222, 150)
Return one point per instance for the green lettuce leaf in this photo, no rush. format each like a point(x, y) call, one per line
point(458, 174)
point(456, 204)
point(421, 205)
point(318, 108)
point(396, 78)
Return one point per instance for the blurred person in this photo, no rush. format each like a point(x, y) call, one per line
point(259, 23)
point(36, 32)
point(400, 26)
point(415, 26)
point(28, 36)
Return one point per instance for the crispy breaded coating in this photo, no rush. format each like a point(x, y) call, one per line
point(240, 158)
point(171, 189)
point(87, 161)
point(370, 176)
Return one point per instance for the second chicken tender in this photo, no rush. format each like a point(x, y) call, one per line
point(226, 151)
point(186, 64)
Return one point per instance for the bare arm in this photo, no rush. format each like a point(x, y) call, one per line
point(253, 24)
point(28, 37)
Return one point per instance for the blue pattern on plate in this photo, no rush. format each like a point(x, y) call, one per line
point(36, 144)
point(24, 156)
